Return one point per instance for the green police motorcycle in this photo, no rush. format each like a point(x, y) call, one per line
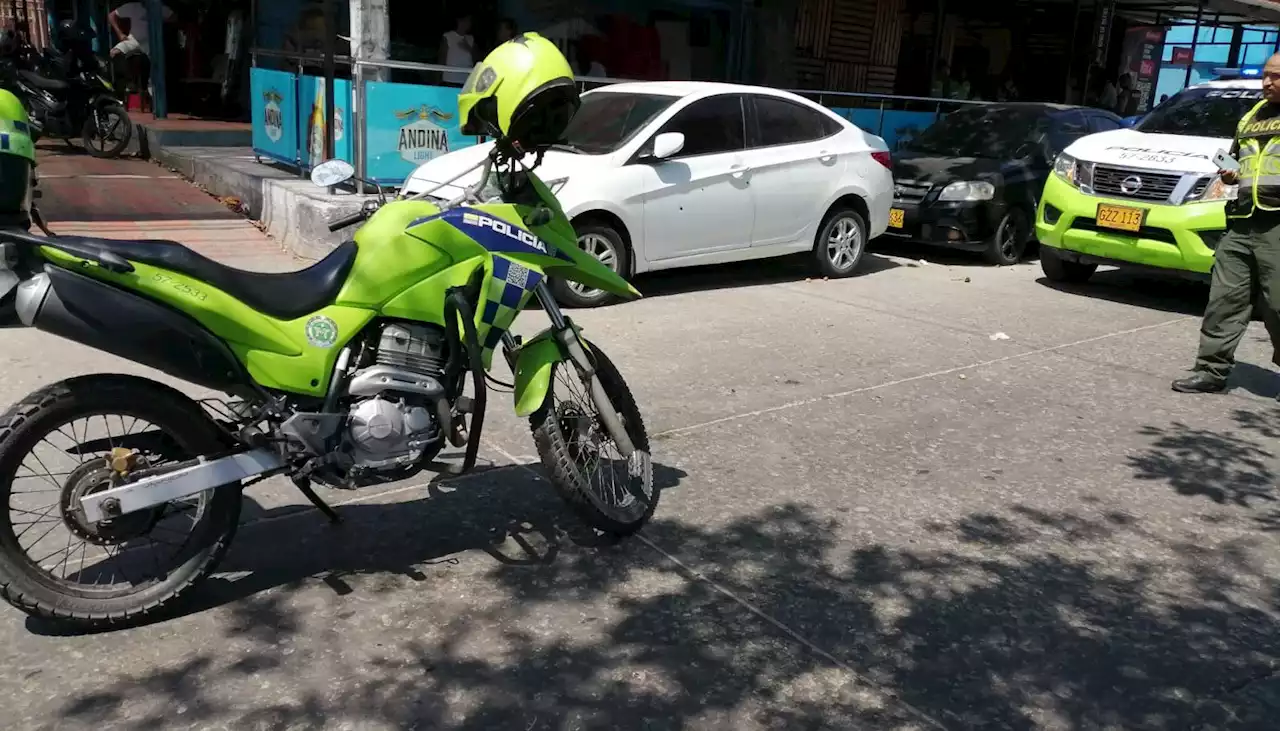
point(352, 373)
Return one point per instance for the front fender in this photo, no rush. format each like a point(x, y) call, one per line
point(533, 369)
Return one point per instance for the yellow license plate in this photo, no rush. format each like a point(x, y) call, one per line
point(1121, 218)
point(895, 217)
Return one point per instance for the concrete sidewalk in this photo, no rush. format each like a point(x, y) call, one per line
point(293, 210)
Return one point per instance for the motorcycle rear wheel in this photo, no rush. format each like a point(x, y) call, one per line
point(582, 461)
point(114, 118)
point(45, 586)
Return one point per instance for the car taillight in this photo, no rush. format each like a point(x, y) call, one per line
point(883, 158)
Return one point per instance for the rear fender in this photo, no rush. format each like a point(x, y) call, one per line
point(533, 369)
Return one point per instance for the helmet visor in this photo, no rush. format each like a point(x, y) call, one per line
point(480, 80)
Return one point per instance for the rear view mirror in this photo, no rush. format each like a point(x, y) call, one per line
point(332, 172)
point(667, 144)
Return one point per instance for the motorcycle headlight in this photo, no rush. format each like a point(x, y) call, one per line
point(968, 190)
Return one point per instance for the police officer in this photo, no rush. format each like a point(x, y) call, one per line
point(1246, 264)
point(17, 163)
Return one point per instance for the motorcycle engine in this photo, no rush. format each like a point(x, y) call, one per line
point(393, 420)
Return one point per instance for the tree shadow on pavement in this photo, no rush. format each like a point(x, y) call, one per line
point(1231, 468)
point(1016, 619)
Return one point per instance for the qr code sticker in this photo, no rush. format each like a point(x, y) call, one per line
point(518, 275)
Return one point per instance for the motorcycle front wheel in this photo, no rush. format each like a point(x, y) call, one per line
point(107, 131)
point(66, 441)
point(613, 494)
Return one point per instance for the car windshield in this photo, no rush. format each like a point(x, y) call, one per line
point(988, 131)
point(607, 120)
point(1201, 112)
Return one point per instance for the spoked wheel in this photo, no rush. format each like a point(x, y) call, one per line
point(83, 436)
point(107, 131)
point(613, 494)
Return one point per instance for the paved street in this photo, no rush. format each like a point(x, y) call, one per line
point(937, 495)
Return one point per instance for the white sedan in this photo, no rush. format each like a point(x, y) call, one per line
point(659, 175)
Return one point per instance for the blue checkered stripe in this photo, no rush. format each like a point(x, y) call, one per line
point(9, 127)
point(505, 296)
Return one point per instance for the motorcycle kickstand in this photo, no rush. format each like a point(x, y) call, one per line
point(304, 486)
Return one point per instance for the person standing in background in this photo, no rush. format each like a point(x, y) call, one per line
point(1109, 97)
point(128, 61)
point(1008, 91)
point(307, 35)
point(138, 31)
point(136, 12)
point(506, 31)
point(1127, 101)
point(458, 49)
point(941, 86)
point(584, 62)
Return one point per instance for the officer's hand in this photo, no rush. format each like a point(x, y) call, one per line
point(1229, 176)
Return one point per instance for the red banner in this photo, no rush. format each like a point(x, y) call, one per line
point(1143, 47)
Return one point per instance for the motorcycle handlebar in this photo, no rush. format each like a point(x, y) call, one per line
point(342, 223)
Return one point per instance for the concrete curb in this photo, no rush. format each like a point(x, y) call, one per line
point(293, 211)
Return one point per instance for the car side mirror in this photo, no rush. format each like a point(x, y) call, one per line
point(666, 144)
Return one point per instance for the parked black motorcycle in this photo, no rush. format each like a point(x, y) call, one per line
point(68, 100)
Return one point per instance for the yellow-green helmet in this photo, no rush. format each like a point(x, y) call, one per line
point(17, 158)
point(523, 93)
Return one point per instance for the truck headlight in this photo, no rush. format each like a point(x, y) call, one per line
point(1064, 166)
point(968, 190)
point(1216, 190)
point(1076, 172)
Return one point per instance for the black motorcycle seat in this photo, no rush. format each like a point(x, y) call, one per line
point(285, 296)
point(42, 82)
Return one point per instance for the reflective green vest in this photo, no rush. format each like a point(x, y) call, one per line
point(1259, 143)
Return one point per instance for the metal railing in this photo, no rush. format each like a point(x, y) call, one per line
point(882, 103)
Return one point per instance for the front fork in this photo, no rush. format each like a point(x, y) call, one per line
point(571, 344)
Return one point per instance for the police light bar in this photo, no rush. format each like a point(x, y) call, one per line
point(1227, 73)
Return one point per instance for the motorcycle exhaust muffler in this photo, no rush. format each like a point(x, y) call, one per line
point(151, 492)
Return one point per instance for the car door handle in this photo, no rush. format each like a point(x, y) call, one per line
point(826, 157)
point(740, 172)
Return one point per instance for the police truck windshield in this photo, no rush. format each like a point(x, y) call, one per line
point(1201, 112)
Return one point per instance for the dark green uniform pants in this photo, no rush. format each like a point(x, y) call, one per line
point(1246, 269)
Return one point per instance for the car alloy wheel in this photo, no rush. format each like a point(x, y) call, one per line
point(1009, 242)
point(1007, 238)
point(844, 243)
point(602, 249)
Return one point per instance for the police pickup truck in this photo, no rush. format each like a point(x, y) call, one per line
point(1147, 196)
